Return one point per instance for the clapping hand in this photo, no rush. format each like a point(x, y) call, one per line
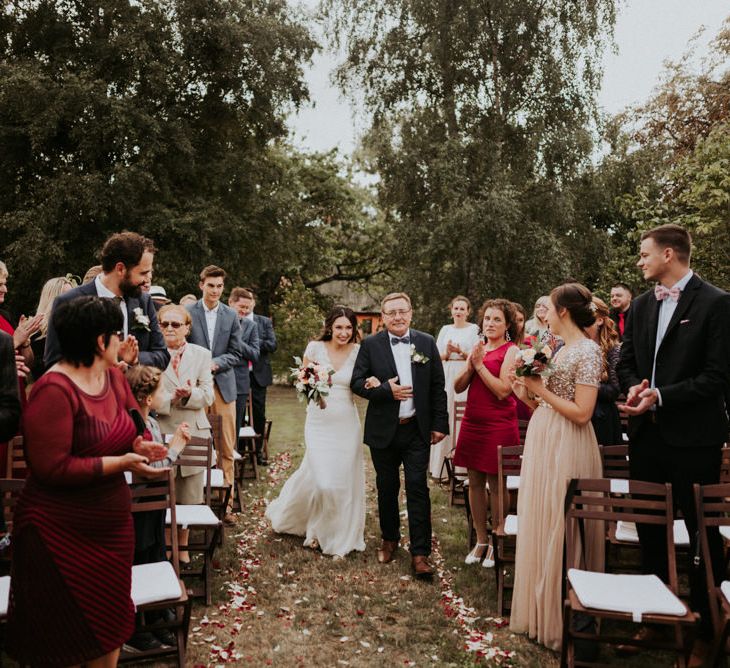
point(129, 350)
point(400, 392)
point(476, 356)
point(138, 464)
point(182, 394)
point(639, 399)
point(26, 328)
point(452, 347)
point(149, 449)
point(21, 366)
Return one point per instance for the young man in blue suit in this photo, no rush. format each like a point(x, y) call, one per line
point(216, 327)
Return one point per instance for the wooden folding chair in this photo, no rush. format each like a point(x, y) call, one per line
point(522, 426)
point(247, 438)
point(725, 463)
point(16, 465)
point(157, 586)
point(267, 435)
point(456, 481)
point(204, 525)
point(504, 532)
point(713, 514)
point(615, 460)
point(9, 492)
point(638, 599)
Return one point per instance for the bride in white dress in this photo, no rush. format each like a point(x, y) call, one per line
point(324, 499)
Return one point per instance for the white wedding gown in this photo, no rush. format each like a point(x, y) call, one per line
point(324, 499)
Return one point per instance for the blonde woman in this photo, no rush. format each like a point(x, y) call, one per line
point(537, 326)
point(606, 420)
point(51, 289)
point(455, 342)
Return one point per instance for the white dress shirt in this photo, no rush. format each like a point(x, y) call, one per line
point(666, 311)
point(103, 291)
point(402, 356)
point(211, 316)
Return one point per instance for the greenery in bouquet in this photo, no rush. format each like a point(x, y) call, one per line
point(312, 381)
point(534, 360)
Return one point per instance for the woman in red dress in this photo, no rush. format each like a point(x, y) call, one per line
point(490, 418)
point(73, 537)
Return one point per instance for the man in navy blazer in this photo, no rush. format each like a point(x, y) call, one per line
point(260, 369)
point(674, 368)
point(217, 328)
point(126, 260)
point(249, 347)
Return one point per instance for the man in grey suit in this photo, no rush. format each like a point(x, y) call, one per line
point(261, 374)
point(250, 347)
point(216, 327)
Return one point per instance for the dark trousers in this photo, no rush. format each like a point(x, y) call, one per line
point(407, 448)
point(652, 460)
point(258, 401)
point(241, 400)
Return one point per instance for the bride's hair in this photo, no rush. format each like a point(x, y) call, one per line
point(329, 321)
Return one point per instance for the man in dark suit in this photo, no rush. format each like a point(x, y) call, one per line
point(216, 327)
point(237, 300)
point(399, 372)
point(260, 370)
point(126, 261)
point(621, 296)
point(674, 369)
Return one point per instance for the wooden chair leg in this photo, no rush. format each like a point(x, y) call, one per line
point(567, 640)
point(499, 576)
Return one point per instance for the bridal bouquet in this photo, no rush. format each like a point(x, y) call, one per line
point(534, 360)
point(312, 381)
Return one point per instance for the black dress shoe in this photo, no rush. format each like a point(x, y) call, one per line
point(142, 642)
point(262, 461)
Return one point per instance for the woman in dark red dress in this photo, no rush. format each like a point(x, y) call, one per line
point(73, 537)
point(490, 418)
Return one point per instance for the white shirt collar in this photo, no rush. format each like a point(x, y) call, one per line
point(211, 310)
point(682, 282)
point(250, 316)
point(393, 336)
point(102, 290)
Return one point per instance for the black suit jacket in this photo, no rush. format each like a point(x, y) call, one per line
point(613, 314)
point(692, 363)
point(250, 347)
point(261, 371)
point(152, 348)
point(376, 359)
point(9, 398)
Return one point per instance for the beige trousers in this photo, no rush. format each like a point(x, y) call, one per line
point(227, 411)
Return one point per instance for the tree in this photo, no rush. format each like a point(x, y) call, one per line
point(480, 123)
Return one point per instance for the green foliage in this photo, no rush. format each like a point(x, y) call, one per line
point(479, 112)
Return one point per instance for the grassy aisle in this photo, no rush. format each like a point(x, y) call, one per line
point(278, 603)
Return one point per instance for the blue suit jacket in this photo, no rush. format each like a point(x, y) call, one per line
point(227, 348)
point(152, 348)
point(250, 348)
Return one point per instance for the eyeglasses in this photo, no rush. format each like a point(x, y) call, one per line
point(400, 311)
point(168, 323)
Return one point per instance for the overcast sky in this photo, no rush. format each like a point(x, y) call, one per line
point(648, 32)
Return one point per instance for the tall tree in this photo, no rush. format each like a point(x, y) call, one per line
point(480, 121)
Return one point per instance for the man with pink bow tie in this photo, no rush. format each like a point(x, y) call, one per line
point(675, 368)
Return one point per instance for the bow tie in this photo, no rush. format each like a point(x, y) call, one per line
point(661, 293)
point(394, 340)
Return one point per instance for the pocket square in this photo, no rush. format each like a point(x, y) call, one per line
point(683, 322)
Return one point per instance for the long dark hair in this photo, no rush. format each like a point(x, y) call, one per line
point(329, 321)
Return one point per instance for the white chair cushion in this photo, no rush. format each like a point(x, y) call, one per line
point(216, 478)
point(513, 482)
point(725, 532)
point(510, 525)
point(247, 432)
point(626, 533)
point(193, 516)
point(724, 588)
point(152, 583)
point(4, 595)
point(636, 595)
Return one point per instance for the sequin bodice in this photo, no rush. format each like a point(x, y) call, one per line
point(577, 364)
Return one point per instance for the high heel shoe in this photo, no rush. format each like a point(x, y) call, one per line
point(475, 557)
point(488, 561)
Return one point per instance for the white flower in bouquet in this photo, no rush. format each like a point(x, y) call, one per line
point(528, 355)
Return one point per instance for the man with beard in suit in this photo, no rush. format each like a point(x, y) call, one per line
point(621, 297)
point(126, 260)
point(674, 369)
point(399, 372)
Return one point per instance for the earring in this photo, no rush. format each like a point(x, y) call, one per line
point(507, 337)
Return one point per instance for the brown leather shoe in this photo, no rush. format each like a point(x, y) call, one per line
point(387, 551)
point(229, 520)
point(421, 568)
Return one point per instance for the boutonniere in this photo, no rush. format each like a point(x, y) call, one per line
point(417, 357)
point(141, 321)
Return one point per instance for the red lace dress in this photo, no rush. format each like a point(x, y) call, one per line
point(73, 537)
